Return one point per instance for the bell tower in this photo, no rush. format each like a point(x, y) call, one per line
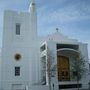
point(20, 50)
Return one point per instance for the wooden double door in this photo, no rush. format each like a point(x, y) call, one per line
point(63, 68)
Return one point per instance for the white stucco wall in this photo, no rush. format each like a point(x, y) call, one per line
point(84, 51)
point(25, 44)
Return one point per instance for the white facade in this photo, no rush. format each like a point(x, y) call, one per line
point(26, 43)
point(51, 43)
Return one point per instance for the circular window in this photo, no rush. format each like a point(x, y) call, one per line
point(17, 57)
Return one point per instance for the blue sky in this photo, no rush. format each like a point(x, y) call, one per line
point(72, 17)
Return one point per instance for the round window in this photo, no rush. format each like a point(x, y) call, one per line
point(17, 57)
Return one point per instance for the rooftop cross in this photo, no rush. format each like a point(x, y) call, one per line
point(57, 29)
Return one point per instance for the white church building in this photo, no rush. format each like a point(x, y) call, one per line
point(26, 60)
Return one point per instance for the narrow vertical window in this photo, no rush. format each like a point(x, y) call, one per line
point(17, 28)
point(17, 71)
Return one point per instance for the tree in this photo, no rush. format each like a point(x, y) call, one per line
point(78, 69)
point(51, 69)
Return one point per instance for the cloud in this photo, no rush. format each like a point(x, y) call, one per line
point(67, 14)
point(19, 5)
point(74, 15)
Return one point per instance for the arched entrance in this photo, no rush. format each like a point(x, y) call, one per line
point(63, 62)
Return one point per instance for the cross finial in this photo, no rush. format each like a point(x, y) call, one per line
point(57, 29)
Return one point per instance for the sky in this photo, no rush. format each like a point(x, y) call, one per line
point(72, 17)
